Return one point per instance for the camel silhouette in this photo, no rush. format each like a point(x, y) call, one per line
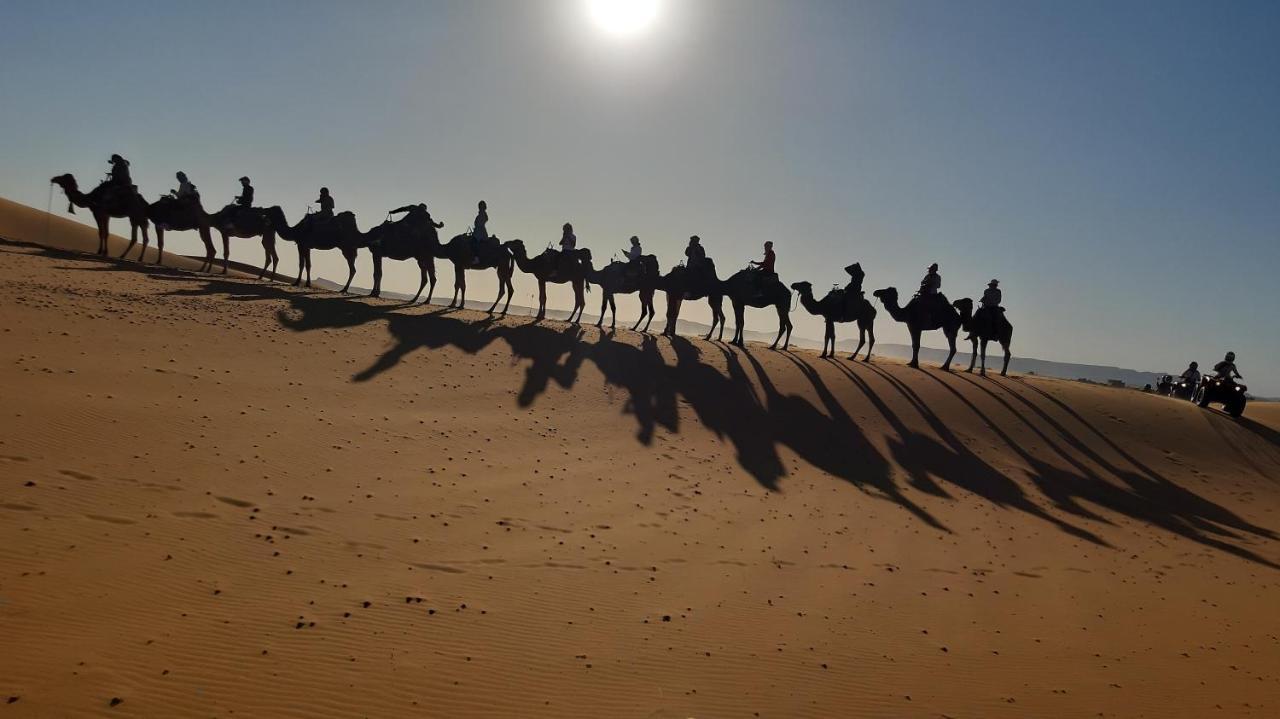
point(105, 202)
point(919, 317)
point(837, 307)
point(755, 288)
point(551, 267)
point(410, 237)
point(169, 213)
point(682, 284)
point(246, 222)
point(623, 278)
point(983, 328)
point(490, 255)
point(316, 232)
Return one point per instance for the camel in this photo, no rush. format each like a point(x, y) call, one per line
point(752, 288)
point(550, 267)
point(982, 329)
point(316, 232)
point(410, 237)
point(621, 278)
point(920, 317)
point(682, 284)
point(105, 202)
point(169, 213)
point(492, 255)
point(246, 222)
point(834, 308)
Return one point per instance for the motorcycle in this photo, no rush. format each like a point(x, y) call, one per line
point(1224, 391)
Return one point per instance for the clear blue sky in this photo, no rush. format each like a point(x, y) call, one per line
point(1115, 164)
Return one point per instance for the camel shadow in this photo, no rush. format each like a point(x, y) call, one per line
point(741, 403)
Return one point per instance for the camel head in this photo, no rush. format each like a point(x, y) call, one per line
point(66, 182)
point(964, 305)
point(803, 288)
point(888, 295)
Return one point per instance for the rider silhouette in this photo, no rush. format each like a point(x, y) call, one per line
point(118, 175)
point(695, 254)
point(766, 265)
point(420, 206)
point(991, 296)
point(326, 203)
point(1226, 369)
point(932, 282)
point(1192, 373)
point(186, 191)
point(245, 199)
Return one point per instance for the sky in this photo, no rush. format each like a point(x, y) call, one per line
point(1115, 164)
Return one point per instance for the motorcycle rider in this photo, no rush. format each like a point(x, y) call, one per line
point(1226, 369)
point(1192, 374)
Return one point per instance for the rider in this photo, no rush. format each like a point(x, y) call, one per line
point(186, 191)
point(1226, 369)
point(118, 175)
point(695, 254)
point(420, 206)
point(1192, 374)
point(932, 282)
point(991, 296)
point(245, 199)
point(766, 265)
point(568, 240)
point(326, 202)
point(856, 275)
point(633, 252)
point(479, 228)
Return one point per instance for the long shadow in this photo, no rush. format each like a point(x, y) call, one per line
point(1145, 495)
point(953, 462)
point(726, 403)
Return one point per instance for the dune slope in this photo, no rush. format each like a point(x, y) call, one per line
point(220, 496)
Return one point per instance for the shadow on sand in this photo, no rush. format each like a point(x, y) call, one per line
point(826, 436)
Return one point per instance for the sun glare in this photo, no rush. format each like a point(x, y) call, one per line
point(623, 17)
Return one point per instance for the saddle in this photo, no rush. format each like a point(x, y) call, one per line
point(481, 248)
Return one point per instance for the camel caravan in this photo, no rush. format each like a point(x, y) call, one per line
point(410, 233)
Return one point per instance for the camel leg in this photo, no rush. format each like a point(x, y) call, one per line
point(210, 254)
point(604, 305)
point(613, 313)
point(351, 271)
point(460, 287)
point(511, 292)
point(377, 278)
point(308, 267)
point(542, 300)
point(983, 345)
point(915, 348)
point(159, 244)
point(973, 359)
point(266, 252)
point(951, 342)
point(301, 263)
point(673, 316)
point(1007, 356)
point(226, 252)
point(871, 336)
point(652, 312)
point(102, 240)
point(739, 319)
point(718, 308)
point(146, 240)
point(422, 272)
point(785, 310)
point(782, 325)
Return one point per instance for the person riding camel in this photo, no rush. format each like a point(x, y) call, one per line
point(856, 275)
point(186, 191)
point(245, 198)
point(932, 282)
point(118, 175)
point(633, 255)
point(420, 206)
point(695, 255)
point(1192, 374)
point(991, 296)
point(766, 265)
point(480, 229)
point(1226, 369)
point(568, 247)
point(325, 200)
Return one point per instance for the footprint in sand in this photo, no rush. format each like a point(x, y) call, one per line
point(82, 476)
point(234, 502)
point(18, 507)
point(195, 515)
point(438, 568)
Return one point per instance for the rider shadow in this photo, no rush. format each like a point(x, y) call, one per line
point(1146, 496)
point(926, 458)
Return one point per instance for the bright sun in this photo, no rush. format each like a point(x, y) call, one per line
point(623, 17)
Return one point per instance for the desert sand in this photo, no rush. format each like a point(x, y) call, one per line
point(224, 497)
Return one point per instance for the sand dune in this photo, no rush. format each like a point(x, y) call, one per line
point(221, 496)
